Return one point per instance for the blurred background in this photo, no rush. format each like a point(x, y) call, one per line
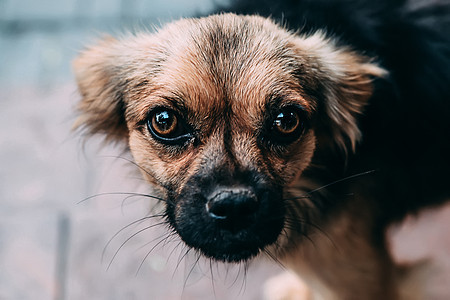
point(66, 229)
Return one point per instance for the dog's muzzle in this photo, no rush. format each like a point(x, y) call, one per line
point(226, 220)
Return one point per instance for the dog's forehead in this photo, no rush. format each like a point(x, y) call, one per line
point(227, 60)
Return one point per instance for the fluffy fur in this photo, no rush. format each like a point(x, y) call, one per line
point(367, 88)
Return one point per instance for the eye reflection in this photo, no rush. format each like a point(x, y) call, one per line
point(286, 122)
point(164, 123)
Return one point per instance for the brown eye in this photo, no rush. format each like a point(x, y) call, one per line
point(164, 123)
point(167, 127)
point(286, 122)
point(286, 125)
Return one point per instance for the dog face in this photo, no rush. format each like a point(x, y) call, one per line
point(223, 114)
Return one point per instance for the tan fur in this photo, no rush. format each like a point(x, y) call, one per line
point(121, 80)
point(345, 248)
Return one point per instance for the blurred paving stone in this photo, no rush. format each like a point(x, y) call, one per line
point(24, 10)
point(27, 255)
point(169, 10)
point(39, 58)
point(98, 8)
point(35, 144)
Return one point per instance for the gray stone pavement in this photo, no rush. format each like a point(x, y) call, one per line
point(52, 246)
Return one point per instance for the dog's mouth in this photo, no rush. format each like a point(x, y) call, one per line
point(231, 223)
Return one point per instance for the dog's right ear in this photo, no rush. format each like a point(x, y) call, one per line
point(99, 72)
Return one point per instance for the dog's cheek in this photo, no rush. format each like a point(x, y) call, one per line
point(290, 165)
point(151, 167)
point(157, 165)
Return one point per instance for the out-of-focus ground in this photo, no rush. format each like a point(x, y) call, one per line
point(54, 245)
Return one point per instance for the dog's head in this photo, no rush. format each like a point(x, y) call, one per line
point(223, 114)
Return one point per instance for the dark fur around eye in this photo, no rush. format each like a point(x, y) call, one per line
point(168, 127)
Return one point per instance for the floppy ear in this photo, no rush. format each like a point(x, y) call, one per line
point(102, 107)
point(344, 80)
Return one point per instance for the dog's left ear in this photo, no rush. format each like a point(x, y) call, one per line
point(107, 74)
point(101, 109)
point(343, 80)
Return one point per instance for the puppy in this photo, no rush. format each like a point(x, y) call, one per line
point(304, 145)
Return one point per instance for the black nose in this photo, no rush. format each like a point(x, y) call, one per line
point(232, 204)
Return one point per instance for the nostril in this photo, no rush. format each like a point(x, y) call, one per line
point(232, 204)
point(217, 209)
